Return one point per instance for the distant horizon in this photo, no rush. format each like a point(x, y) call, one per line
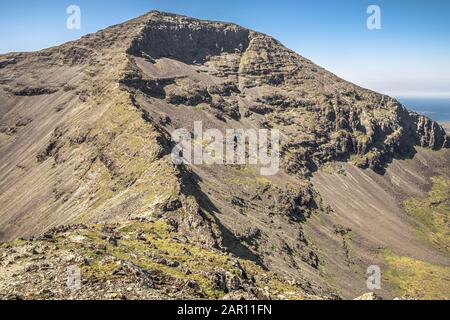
point(421, 95)
point(436, 108)
point(406, 57)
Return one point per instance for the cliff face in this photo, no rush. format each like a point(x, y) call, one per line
point(85, 137)
point(249, 75)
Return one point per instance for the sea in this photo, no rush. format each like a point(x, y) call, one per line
point(435, 108)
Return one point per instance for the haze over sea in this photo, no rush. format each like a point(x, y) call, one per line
point(435, 108)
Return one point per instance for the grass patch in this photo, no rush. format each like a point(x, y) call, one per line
point(416, 278)
point(163, 242)
point(431, 214)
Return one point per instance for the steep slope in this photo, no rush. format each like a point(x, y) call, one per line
point(446, 126)
point(373, 224)
point(86, 152)
point(85, 138)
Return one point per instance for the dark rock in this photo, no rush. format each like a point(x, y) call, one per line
point(219, 280)
point(234, 283)
point(311, 258)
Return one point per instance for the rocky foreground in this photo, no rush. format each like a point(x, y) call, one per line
point(142, 260)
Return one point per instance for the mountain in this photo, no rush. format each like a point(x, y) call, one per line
point(446, 126)
point(87, 176)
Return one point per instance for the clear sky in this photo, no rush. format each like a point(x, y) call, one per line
point(408, 56)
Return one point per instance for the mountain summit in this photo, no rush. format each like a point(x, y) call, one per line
point(85, 138)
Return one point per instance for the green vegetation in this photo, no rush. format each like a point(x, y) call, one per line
point(245, 175)
point(128, 166)
point(138, 242)
point(416, 278)
point(333, 168)
point(359, 160)
point(431, 213)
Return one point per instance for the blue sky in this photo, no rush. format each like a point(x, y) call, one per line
point(409, 56)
